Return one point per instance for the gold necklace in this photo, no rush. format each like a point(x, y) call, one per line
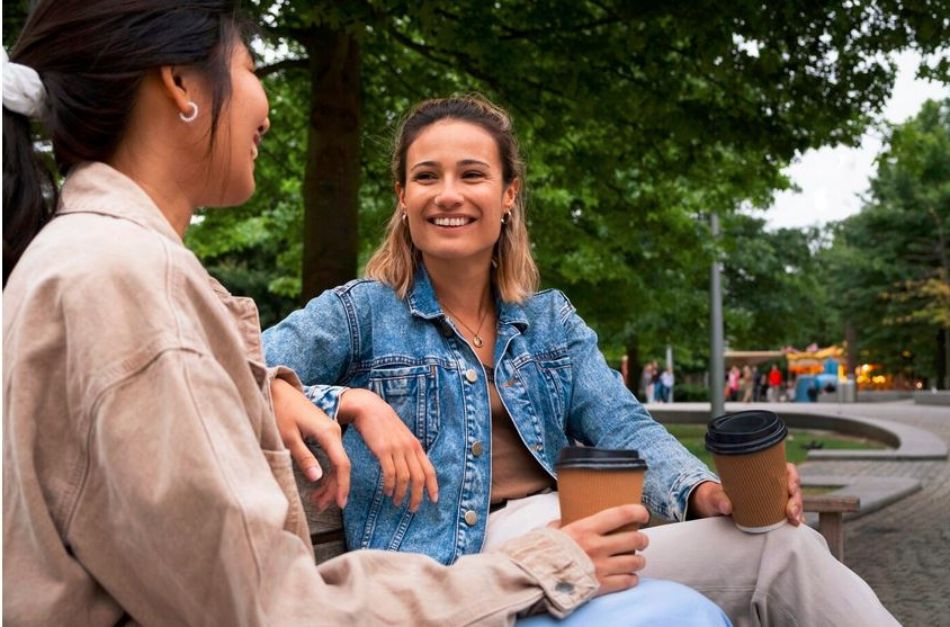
point(476, 340)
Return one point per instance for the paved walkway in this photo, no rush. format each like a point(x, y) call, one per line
point(903, 550)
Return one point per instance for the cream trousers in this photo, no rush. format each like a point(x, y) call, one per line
point(784, 577)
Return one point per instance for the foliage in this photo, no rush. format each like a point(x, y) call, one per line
point(892, 260)
point(775, 289)
point(636, 121)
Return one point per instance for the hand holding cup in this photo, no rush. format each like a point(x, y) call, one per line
point(749, 451)
point(613, 552)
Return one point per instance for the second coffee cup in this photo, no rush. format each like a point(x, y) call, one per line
point(593, 479)
point(748, 448)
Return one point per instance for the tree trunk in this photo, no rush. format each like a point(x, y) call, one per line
point(332, 174)
point(943, 360)
point(634, 367)
point(851, 339)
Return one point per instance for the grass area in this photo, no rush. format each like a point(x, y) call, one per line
point(796, 445)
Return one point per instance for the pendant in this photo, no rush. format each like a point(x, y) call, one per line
point(477, 341)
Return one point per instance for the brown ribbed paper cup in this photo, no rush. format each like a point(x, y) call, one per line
point(593, 479)
point(749, 451)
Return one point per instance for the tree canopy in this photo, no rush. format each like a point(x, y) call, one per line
point(891, 261)
point(636, 120)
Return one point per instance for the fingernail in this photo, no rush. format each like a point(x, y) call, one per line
point(313, 473)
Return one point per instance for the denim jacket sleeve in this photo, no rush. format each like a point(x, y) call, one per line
point(604, 413)
point(317, 343)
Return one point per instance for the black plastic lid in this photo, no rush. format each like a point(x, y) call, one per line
point(600, 458)
point(744, 432)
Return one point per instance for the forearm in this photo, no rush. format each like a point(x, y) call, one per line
point(483, 589)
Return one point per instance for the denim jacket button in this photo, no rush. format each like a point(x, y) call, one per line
point(478, 448)
point(471, 376)
point(471, 518)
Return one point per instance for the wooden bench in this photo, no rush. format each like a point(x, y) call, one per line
point(326, 528)
point(831, 511)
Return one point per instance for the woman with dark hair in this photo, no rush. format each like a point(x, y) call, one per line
point(449, 337)
point(144, 479)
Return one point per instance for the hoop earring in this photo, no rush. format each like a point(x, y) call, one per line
point(404, 217)
point(505, 218)
point(191, 116)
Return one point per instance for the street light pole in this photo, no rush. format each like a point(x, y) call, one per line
point(716, 367)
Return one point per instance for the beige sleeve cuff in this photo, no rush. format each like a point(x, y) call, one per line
point(285, 373)
point(564, 572)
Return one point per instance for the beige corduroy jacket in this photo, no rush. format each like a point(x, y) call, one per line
point(144, 480)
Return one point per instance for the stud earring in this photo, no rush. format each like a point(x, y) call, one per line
point(192, 115)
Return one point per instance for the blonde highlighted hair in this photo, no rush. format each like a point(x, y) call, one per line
point(514, 273)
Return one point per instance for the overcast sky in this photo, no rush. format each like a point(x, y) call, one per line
point(832, 179)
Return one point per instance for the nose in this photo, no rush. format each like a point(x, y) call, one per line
point(263, 128)
point(449, 196)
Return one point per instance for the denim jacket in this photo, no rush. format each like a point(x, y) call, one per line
point(550, 376)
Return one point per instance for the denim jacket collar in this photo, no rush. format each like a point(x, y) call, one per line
point(423, 303)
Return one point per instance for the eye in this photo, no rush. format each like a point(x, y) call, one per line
point(423, 177)
point(473, 174)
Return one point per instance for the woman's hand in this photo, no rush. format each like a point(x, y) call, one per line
point(614, 554)
point(404, 464)
point(709, 499)
point(795, 510)
point(297, 418)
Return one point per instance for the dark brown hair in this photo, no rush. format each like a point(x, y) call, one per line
point(514, 272)
point(92, 56)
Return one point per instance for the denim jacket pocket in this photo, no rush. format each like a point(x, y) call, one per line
point(548, 379)
point(413, 393)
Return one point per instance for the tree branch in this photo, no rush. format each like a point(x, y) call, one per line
point(464, 62)
point(280, 66)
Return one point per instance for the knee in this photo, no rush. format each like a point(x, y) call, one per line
point(800, 542)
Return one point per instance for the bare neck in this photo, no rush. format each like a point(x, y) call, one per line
point(462, 286)
point(158, 181)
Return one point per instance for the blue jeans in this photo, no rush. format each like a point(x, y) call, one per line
point(651, 603)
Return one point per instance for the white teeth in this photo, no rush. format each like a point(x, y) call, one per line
point(450, 221)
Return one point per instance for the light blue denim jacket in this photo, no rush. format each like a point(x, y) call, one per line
point(550, 376)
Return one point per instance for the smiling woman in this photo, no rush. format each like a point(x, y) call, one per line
point(488, 168)
point(464, 384)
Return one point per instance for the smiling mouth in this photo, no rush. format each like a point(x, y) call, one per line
point(451, 222)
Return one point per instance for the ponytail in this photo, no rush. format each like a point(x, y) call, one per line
point(29, 190)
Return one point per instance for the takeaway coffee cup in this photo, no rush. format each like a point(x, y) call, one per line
point(593, 479)
point(749, 451)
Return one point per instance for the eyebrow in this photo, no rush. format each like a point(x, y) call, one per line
point(463, 162)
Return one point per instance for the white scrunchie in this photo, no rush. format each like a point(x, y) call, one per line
point(23, 91)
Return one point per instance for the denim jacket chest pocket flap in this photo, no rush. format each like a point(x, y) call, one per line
point(413, 393)
point(548, 381)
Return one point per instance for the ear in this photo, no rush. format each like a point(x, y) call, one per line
point(511, 193)
point(400, 195)
point(174, 86)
